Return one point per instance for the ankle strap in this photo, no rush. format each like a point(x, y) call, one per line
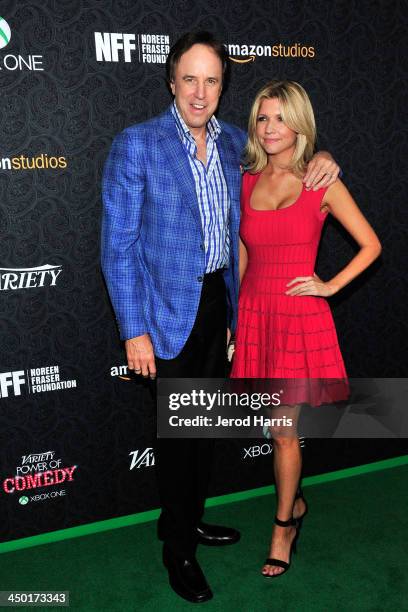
point(287, 523)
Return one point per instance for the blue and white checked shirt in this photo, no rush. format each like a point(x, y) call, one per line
point(212, 192)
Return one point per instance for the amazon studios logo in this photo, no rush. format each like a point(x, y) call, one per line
point(121, 372)
point(29, 278)
point(243, 54)
point(13, 62)
point(42, 161)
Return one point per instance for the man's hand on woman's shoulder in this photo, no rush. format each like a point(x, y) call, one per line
point(322, 171)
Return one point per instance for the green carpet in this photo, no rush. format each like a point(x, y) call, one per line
point(352, 556)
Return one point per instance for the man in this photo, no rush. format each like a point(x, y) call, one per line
point(171, 193)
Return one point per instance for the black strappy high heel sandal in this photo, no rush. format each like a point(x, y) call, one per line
point(278, 562)
point(299, 519)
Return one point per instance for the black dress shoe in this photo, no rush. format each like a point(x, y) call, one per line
point(186, 577)
point(215, 535)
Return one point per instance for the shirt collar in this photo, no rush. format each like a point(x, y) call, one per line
point(213, 127)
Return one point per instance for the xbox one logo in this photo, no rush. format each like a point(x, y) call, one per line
point(5, 33)
point(23, 500)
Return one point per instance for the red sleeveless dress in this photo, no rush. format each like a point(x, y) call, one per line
point(278, 335)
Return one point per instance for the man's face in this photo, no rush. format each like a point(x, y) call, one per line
point(197, 85)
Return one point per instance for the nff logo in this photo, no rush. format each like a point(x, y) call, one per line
point(11, 383)
point(149, 48)
point(108, 46)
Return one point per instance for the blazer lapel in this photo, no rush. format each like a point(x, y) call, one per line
point(230, 165)
point(176, 157)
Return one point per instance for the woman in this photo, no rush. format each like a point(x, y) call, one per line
point(285, 327)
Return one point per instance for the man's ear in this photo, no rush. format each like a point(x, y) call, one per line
point(172, 87)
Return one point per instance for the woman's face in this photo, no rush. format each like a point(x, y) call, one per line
point(273, 135)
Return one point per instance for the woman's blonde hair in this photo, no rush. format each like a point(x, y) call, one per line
point(297, 114)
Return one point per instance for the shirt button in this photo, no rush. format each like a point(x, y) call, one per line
point(200, 279)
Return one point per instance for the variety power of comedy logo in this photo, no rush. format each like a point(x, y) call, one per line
point(39, 477)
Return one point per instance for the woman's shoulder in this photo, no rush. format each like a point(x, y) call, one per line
point(248, 176)
point(336, 189)
point(247, 185)
point(248, 180)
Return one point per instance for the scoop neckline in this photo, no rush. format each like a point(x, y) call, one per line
point(270, 210)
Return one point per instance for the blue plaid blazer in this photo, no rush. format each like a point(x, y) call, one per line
point(152, 240)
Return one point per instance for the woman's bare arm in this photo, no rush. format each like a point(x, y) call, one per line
point(243, 260)
point(339, 202)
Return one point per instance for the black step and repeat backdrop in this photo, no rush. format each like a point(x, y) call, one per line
point(76, 434)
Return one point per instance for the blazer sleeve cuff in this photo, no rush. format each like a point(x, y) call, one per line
point(127, 332)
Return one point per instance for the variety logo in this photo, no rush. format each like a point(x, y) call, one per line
point(142, 459)
point(36, 471)
point(40, 162)
point(16, 62)
point(29, 278)
point(144, 48)
point(243, 54)
point(34, 380)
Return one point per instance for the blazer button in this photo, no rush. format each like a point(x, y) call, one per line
point(200, 279)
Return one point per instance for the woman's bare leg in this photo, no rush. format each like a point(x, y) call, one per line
point(287, 462)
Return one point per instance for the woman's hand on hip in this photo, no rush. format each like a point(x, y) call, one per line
point(310, 285)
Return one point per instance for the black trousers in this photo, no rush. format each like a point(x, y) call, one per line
point(183, 466)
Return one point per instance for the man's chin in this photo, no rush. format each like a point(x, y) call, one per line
point(198, 121)
point(195, 121)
